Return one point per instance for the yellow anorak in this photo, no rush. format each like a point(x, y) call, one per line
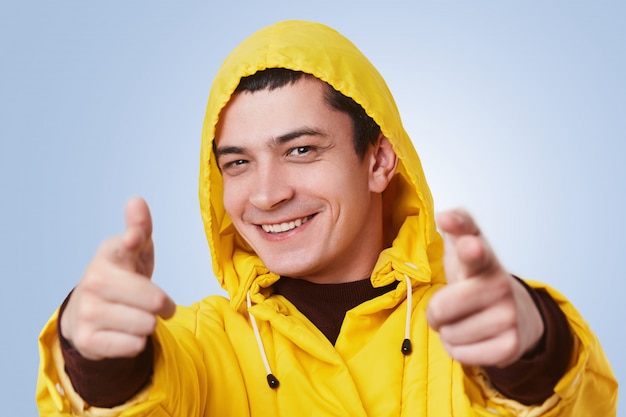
point(207, 359)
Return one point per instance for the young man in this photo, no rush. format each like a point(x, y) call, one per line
point(322, 230)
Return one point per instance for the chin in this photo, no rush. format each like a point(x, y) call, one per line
point(291, 263)
point(292, 271)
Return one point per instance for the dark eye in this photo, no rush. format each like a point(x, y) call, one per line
point(300, 150)
point(233, 165)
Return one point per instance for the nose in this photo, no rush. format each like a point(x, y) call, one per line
point(271, 187)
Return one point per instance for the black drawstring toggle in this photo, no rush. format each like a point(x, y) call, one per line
point(272, 381)
point(406, 347)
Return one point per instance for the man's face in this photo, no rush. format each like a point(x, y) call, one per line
point(294, 186)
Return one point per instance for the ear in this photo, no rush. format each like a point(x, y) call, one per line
point(383, 163)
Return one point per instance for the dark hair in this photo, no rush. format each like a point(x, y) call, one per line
point(365, 129)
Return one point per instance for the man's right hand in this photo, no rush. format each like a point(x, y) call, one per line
point(114, 307)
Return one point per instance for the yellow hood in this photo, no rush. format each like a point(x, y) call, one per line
point(210, 359)
point(321, 51)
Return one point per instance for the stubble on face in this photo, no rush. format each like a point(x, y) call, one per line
point(294, 186)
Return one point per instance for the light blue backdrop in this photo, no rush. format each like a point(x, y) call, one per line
point(517, 109)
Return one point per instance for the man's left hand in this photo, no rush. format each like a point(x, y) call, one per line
point(484, 316)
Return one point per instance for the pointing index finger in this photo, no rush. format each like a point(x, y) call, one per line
point(457, 222)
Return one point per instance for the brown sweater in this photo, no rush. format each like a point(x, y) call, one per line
point(531, 380)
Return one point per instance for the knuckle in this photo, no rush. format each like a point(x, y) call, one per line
point(443, 334)
point(148, 325)
point(82, 341)
point(502, 288)
point(119, 346)
point(505, 317)
point(158, 300)
point(94, 280)
point(78, 319)
point(134, 346)
point(89, 311)
point(434, 315)
point(446, 334)
point(510, 346)
point(449, 348)
point(456, 353)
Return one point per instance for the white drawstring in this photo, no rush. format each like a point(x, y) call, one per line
point(272, 381)
point(406, 344)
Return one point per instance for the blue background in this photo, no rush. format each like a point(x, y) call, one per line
point(516, 108)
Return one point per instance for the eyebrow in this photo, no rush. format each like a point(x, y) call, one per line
point(228, 150)
point(294, 135)
point(279, 140)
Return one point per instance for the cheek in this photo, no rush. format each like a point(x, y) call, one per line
point(351, 188)
point(232, 200)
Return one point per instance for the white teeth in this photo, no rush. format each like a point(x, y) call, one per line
point(284, 227)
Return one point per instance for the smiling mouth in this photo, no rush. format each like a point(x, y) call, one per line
point(286, 226)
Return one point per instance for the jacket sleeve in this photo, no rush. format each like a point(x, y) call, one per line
point(588, 387)
point(178, 385)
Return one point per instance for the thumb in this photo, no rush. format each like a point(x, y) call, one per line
point(136, 252)
point(138, 216)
